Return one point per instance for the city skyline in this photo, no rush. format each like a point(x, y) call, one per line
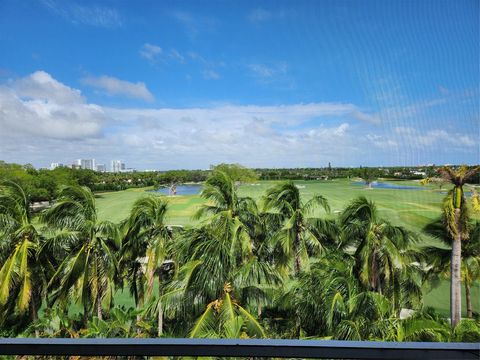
point(261, 84)
point(92, 164)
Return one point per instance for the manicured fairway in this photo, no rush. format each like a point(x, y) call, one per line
point(115, 206)
point(412, 209)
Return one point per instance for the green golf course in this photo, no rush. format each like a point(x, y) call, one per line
point(411, 208)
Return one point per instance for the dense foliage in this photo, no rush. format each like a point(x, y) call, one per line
point(278, 268)
point(44, 185)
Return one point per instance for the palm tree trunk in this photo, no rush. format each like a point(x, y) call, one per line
point(141, 298)
point(135, 292)
point(160, 307)
point(34, 313)
point(296, 246)
point(160, 318)
point(99, 305)
point(85, 314)
point(469, 300)
point(456, 261)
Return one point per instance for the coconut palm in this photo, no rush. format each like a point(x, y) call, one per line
point(89, 268)
point(456, 220)
point(229, 244)
point(21, 282)
point(225, 318)
point(223, 211)
point(149, 239)
point(309, 299)
point(218, 264)
point(439, 257)
point(298, 235)
point(385, 260)
point(328, 301)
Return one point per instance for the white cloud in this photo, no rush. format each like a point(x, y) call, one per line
point(155, 53)
point(93, 15)
point(114, 86)
point(174, 54)
point(371, 118)
point(211, 75)
point(40, 106)
point(43, 120)
point(381, 141)
point(150, 51)
point(417, 139)
point(272, 74)
point(41, 86)
point(267, 72)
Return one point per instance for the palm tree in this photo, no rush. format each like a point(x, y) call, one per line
point(229, 243)
point(328, 301)
point(456, 220)
point(383, 253)
point(225, 318)
point(20, 273)
point(223, 211)
point(297, 236)
point(147, 251)
point(440, 258)
point(89, 268)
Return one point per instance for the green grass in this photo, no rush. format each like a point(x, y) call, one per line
point(439, 298)
point(409, 208)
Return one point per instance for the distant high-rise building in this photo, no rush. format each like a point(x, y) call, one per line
point(117, 166)
point(53, 166)
point(101, 167)
point(86, 164)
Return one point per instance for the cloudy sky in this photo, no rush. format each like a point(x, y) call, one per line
point(178, 84)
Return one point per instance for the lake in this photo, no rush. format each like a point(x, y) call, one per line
point(383, 185)
point(185, 189)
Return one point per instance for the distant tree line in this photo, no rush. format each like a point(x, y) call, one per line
point(325, 173)
point(43, 184)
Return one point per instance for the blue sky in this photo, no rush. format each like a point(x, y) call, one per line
point(178, 84)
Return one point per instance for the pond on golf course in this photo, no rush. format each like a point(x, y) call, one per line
point(384, 185)
point(183, 189)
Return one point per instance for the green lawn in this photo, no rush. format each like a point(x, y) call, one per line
point(409, 208)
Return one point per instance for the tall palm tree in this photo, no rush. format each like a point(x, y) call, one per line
point(149, 236)
point(20, 270)
point(229, 243)
point(297, 237)
point(456, 220)
point(440, 258)
point(144, 225)
point(223, 211)
point(384, 256)
point(89, 268)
